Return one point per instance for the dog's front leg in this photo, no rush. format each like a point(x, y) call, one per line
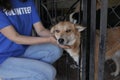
point(116, 59)
point(117, 68)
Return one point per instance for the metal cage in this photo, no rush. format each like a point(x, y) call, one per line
point(53, 11)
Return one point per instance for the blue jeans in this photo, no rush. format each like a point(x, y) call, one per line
point(35, 64)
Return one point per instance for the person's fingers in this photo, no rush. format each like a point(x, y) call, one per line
point(53, 40)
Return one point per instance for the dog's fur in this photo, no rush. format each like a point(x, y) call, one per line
point(68, 34)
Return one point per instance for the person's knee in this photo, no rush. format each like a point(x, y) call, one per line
point(49, 72)
point(45, 52)
point(52, 73)
point(57, 52)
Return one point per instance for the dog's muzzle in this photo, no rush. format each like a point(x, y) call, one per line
point(61, 41)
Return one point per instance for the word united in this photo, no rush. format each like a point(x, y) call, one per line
point(18, 11)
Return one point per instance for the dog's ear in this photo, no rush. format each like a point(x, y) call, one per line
point(80, 28)
point(52, 30)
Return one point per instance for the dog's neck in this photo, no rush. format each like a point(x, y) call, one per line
point(75, 48)
point(74, 54)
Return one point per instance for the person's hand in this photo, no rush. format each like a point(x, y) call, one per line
point(52, 40)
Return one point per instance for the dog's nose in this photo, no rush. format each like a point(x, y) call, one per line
point(61, 40)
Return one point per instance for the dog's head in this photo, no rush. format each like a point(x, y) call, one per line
point(66, 32)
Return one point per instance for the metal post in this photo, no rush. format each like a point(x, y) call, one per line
point(92, 39)
point(84, 42)
point(103, 26)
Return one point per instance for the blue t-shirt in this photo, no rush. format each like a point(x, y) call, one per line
point(22, 17)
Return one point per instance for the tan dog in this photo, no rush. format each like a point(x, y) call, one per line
point(68, 33)
point(112, 49)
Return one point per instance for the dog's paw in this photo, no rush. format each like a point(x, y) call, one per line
point(115, 73)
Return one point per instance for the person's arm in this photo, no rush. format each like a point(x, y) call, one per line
point(41, 31)
point(11, 34)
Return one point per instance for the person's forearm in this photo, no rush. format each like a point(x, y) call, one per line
point(26, 40)
point(44, 33)
point(10, 33)
point(41, 30)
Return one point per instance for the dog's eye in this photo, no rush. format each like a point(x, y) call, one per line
point(68, 31)
point(57, 31)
